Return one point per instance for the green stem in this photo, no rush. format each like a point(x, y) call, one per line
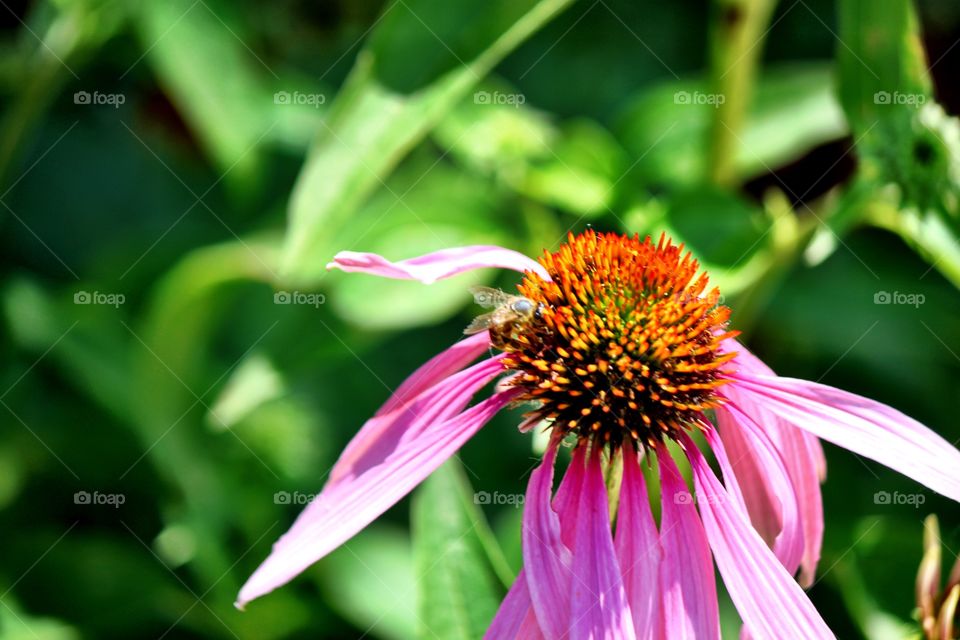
point(737, 38)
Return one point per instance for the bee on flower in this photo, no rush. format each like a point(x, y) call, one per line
point(622, 349)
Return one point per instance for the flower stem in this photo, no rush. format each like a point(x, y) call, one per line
point(739, 28)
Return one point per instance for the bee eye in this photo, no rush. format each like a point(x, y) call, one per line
point(522, 306)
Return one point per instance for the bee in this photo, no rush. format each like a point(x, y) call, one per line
point(510, 313)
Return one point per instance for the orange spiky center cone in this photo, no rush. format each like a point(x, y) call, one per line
point(625, 345)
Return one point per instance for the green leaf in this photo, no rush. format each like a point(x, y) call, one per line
point(15, 624)
point(189, 46)
point(496, 137)
point(580, 173)
point(881, 57)
point(794, 110)
point(574, 167)
point(381, 113)
point(370, 581)
point(461, 570)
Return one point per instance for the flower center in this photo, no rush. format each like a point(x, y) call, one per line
point(625, 341)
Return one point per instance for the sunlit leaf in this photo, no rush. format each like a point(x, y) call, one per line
point(381, 112)
point(459, 566)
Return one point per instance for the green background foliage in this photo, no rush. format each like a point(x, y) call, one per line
point(175, 176)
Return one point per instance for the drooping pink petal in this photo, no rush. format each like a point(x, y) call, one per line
point(598, 600)
point(747, 362)
point(769, 600)
point(546, 558)
point(762, 505)
point(436, 369)
point(437, 265)
point(687, 584)
point(637, 544)
point(381, 435)
point(802, 454)
point(565, 503)
point(788, 543)
point(341, 510)
point(863, 426)
point(515, 618)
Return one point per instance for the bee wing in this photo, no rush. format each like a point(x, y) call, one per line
point(488, 296)
point(480, 323)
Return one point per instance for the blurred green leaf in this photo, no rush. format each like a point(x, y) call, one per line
point(794, 110)
point(370, 580)
point(573, 167)
point(88, 348)
point(881, 58)
point(190, 44)
point(724, 229)
point(372, 125)
point(253, 383)
point(579, 175)
point(495, 137)
point(17, 625)
point(461, 570)
point(56, 36)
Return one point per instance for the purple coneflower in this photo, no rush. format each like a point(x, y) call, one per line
point(620, 348)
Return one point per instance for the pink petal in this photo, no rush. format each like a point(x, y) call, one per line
point(511, 616)
point(638, 550)
point(767, 597)
point(687, 584)
point(381, 435)
point(437, 265)
point(762, 505)
point(802, 454)
point(565, 503)
point(863, 426)
point(788, 543)
point(434, 370)
point(748, 363)
point(343, 509)
point(598, 601)
point(515, 617)
point(546, 558)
